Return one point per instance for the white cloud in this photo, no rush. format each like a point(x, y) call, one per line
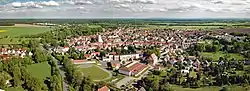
point(122, 6)
point(80, 2)
point(26, 5)
point(49, 3)
point(134, 1)
point(129, 8)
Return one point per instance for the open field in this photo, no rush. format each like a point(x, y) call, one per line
point(21, 30)
point(40, 70)
point(212, 88)
point(94, 26)
point(182, 27)
point(5, 41)
point(217, 55)
point(195, 27)
point(94, 73)
point(24, 25)
point(239, 30)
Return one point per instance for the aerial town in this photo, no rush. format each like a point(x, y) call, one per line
point(135, 53)
point(148, 56)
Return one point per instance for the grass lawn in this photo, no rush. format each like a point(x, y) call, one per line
point(94, 26)
point(94, 73)
point(40, 70)
point(217, 55)
point(212, 88)
point(17, 31)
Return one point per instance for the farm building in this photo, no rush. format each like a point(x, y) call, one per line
point(133, 69)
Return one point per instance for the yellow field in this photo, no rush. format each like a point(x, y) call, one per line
point(2, 31)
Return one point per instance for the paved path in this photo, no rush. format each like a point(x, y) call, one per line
point(127, 79)
point(59, 66)
point(124, 81)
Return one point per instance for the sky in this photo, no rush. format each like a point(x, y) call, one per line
point(124, 8)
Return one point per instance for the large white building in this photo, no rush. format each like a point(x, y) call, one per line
point(100, 38)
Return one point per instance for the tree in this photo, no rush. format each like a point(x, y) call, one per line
point(200, 47)
point(109, 64)
point(39, 56)
point(131, 49)
point(4, 76)
point(215, 48)
point(16, 73)
point(75, 56)
point(55, 83)
point(166, 87)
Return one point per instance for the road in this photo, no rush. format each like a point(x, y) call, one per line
point(62, 72)
point(127, 79)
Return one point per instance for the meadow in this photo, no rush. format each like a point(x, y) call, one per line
point(7, 41)
point(95, 73)
point(191, 27)
point(40, 70)
point(19, 30)
point(212, 88)
point(216, 55)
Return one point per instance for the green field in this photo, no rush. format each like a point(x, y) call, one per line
point(94, 26)
point(40, 70)
point(94, 73)
point(195, 27)
point(17, 31)
point(217, 55)
point(181, 27)
point(13, 40)
point(212, 88)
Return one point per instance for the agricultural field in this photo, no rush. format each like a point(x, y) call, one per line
point(182, 27)
point(195, 27)
point(217, 55)
point(238, 30)
point(19, 30)
point(95, 73)
point(6, 41)
point(40, 70)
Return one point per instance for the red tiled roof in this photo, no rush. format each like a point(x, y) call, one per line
point(77, 61)
point(86, 55)
point(135, 68)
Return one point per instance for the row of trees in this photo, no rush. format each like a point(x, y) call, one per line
point(57, 37)
point(233, 46)
point(75, 79)
point(15, 71)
